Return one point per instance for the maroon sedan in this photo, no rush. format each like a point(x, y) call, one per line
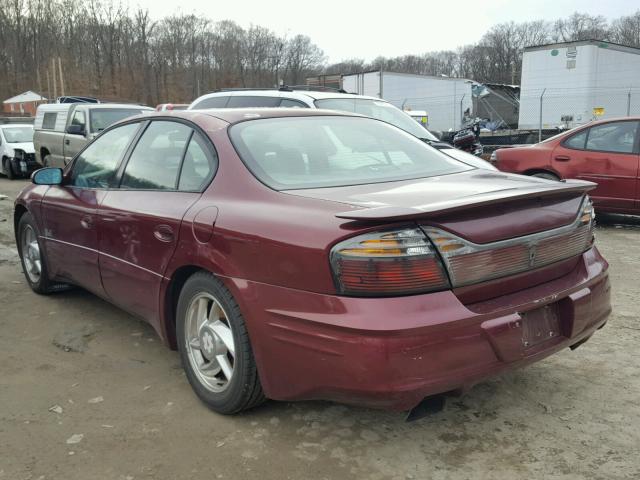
point(606, 152)
point(292, 254)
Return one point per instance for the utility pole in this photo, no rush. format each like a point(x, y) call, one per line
point(48, 85)
point(61, 78)
point(55, 84)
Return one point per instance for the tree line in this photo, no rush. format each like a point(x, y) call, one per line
point(105, 49)
point(497, 56)
point(109, 51)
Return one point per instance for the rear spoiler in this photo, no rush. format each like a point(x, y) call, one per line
point(464, 203)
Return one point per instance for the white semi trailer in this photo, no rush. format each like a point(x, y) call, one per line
point(569, 84)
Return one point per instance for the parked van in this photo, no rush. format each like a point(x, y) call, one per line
point(63, 129)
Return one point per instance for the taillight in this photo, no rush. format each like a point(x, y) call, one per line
point(468, 263)
point(387, 263)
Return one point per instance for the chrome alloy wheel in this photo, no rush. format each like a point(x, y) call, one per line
point(209, 342)
point(31, 254)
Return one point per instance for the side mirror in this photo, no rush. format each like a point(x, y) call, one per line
point(47, 176)
point(76, 129)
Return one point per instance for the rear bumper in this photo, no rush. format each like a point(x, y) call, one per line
point(393, 352)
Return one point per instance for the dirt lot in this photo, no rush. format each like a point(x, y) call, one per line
point(123, 398)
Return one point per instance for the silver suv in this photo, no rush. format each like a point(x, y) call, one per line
point(332, 100)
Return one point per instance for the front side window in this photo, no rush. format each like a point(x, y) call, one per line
point(577, 141)
point(79, 119)
point(618, 137)
point(155, 161)
point(96, 165)
point(327, 151)
point(101, 118)
point(378, 109)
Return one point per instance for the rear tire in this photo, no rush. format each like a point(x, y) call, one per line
point(548, 176)
point(214, 346)
point(46, 160)
point(32, 256)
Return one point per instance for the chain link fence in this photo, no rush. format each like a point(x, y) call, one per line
point(531, 116)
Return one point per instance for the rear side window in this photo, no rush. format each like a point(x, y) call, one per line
point(49, 120)
point(288, 102)
point(618, 137)
point(577, 141)
point(155, 161)
point(253, 102)
point(213, 102)
point(198, 165)
point(96, 166)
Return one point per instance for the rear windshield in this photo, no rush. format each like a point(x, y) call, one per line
point(327, 151)
point(380, 110)
point(101, 118)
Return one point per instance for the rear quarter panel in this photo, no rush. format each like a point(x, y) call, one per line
point(525, 160)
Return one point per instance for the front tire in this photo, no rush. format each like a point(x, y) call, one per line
point(8, 169)
point(214, 346)
point(32, 256)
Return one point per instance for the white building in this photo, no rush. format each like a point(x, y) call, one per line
point(445, 100)
point(578, 81)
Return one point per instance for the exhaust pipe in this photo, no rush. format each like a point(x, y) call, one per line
point(428, 406)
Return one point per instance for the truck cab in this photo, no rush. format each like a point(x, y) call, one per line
point(63, 129)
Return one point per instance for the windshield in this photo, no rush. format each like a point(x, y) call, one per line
point(18, 134)
point(327, 151)
point(380, 110)
point(101, 118)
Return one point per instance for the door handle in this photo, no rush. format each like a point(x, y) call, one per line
point(562, 158)
point(66, 142)
point(164, 233)
point(86, 222)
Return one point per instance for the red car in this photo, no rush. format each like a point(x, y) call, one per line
point(306, 254)
point(605, 152)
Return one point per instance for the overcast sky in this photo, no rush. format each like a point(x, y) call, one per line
point(359, 29)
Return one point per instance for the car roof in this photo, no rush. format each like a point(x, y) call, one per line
point(305, 95)
point(59, 107)
point(237, 115)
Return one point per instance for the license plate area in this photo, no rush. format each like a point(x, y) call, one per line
point(540, 325)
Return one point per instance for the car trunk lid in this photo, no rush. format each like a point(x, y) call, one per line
point(480, 206)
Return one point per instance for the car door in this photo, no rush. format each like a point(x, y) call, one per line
point(140, 220)
point(73, 143)
point(606, 154)
point(69, 210)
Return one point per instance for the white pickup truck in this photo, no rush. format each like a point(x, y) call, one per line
point(63, 129)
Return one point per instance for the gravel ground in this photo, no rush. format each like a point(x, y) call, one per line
point(87, 391)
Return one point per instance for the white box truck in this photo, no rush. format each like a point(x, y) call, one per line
point(578, 82)
point(446, 101)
